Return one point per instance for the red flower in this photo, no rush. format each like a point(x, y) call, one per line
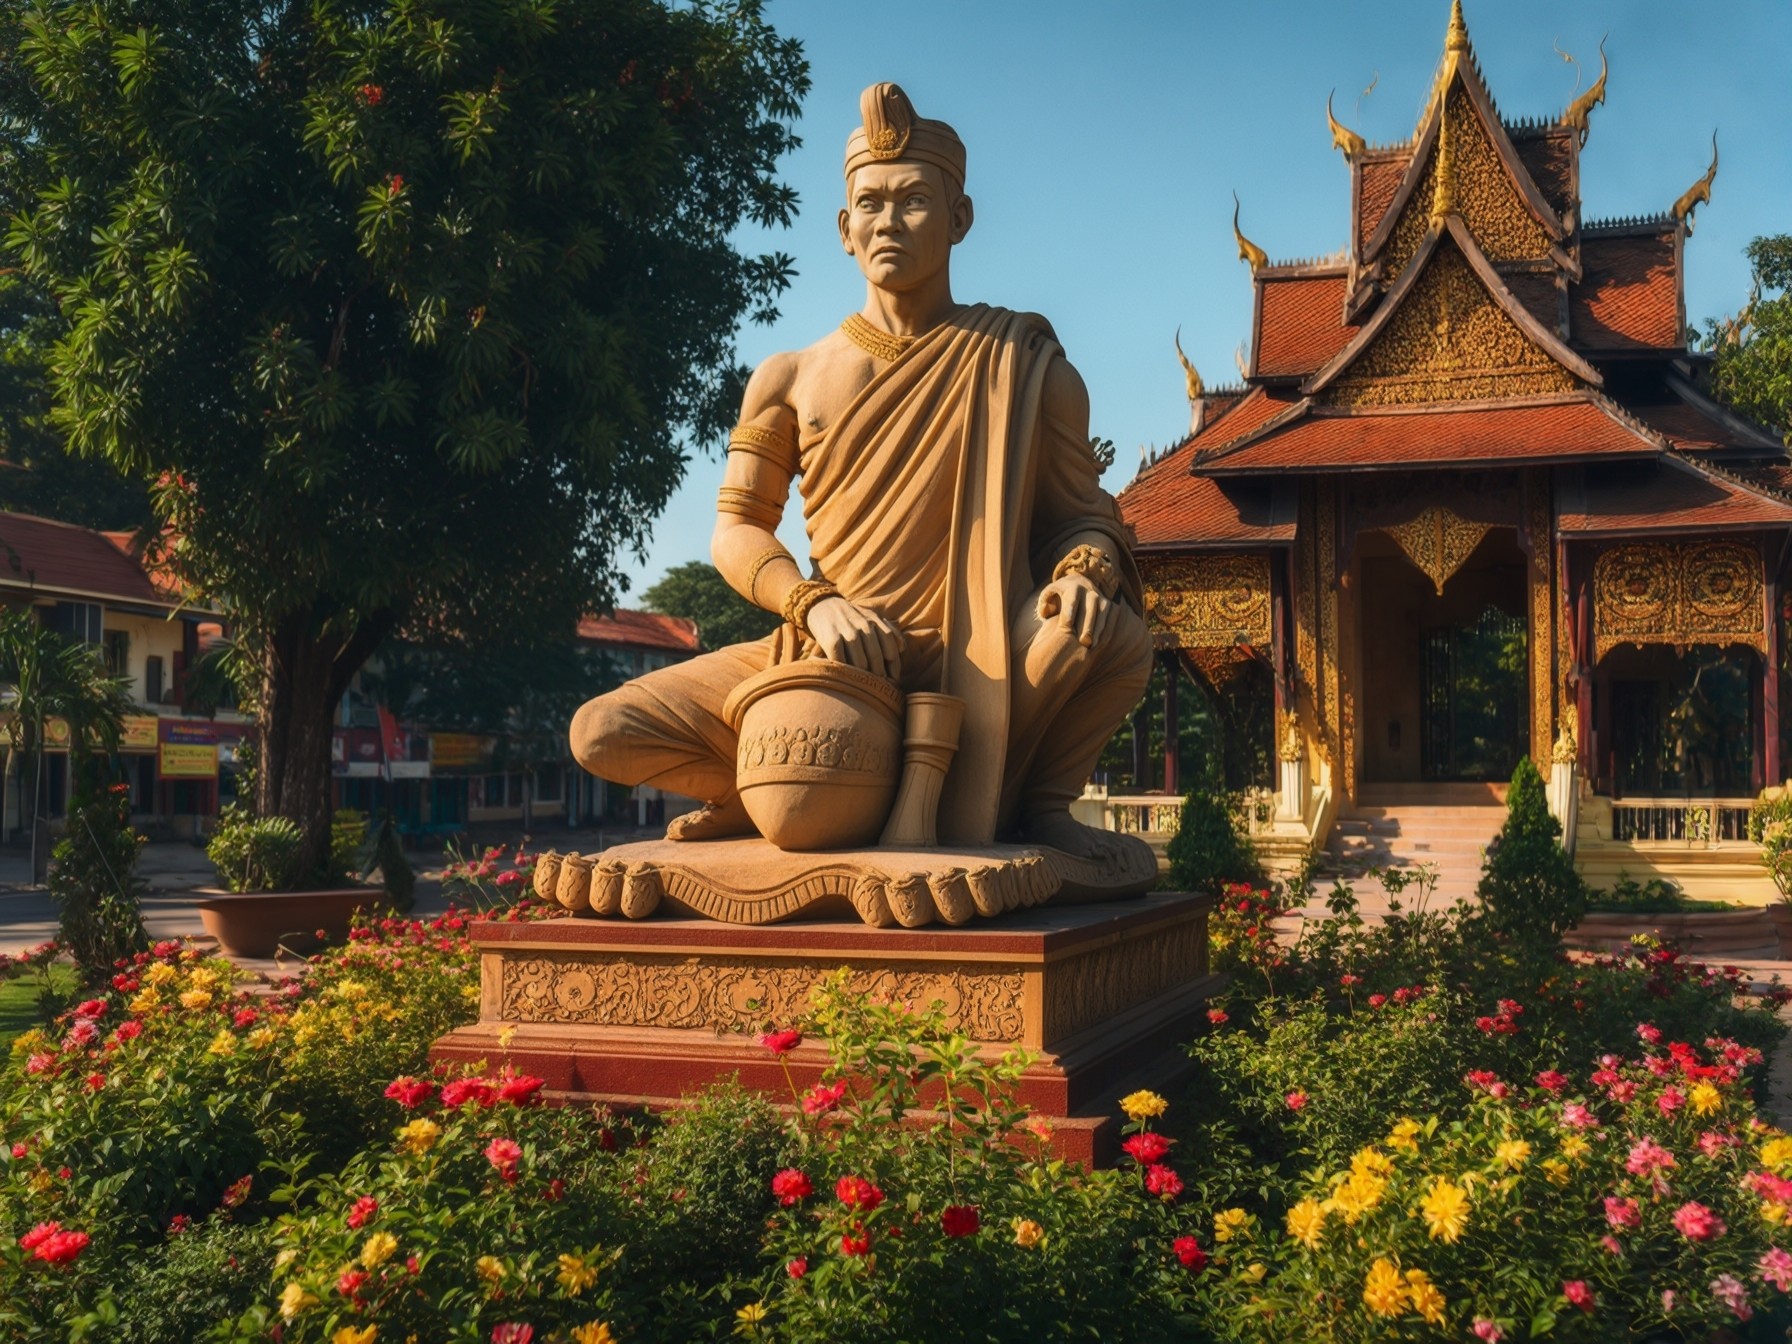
point(782, 1042)
point(512, 1332)
point(504, 1154)
point(95, 1081)
point(1551, 1081)
point(1147, 1148)
point(178, 1224)
point(372, 94)
point(1163, 1182)
point(463, 1090)
point(959, 1220)
point(128, 1031)
point(38, 1235)
point(1698, 1223)
point(858, 1193)
point(91, 1008)
point(1218, 1016)
point(555, 1192)
point(1376, 1000)
point(1649, 1033)
point(351, 1281)
point(1623, 1213)
point(1296, 1100)
point(237, 1192)
point(363, 1209)
point(1189, 1251)
point(19, 1150)
point(520, 1090)
point(856, 1242)
point(1578, 1294)
point(394, 185)
point(791, 1186)
point(245, 1017)
point(61, 1248)
point(410, 1093)
point(798, 1267)
point(822, 1098)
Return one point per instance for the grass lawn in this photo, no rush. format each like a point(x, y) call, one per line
point(18, 1000)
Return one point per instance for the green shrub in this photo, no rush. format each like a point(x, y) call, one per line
point(1210, 848)
point(255, 853)
point(348, 835)
point(93, 880)
point(186, 1289)
point(1770, 826)
point(1529, 889)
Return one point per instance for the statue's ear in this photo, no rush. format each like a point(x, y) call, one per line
point(962, 217)
point(845, 237)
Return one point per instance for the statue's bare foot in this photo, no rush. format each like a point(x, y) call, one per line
point(712, 821)
point(1059, 830)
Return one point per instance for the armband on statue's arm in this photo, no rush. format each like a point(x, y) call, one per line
point(1094, 564)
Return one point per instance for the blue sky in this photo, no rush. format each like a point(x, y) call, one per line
point(1106, 139)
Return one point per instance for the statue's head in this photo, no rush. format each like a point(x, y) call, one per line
point(905, 201)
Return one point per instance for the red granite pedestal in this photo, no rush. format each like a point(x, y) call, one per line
point(644, 1012)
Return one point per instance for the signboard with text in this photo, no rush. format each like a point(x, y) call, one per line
point(189, 750)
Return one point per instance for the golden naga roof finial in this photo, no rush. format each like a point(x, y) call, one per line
point(1247, 250)
point(1457, 37)
point(1196, 389)
point(1699, 193)
point(1579, 114)
point(1443, 195)
point(1342, 136)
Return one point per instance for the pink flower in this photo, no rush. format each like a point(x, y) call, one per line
point(782, 1042)
point(128, 1031)
point(1296, 1100)
point(1488, 1330)
point(1776, 1268)
point(1646, 1156)
point(1668, 1299)
point(791, 1186)
point(1578, 1294)
point(1623, 1213)
point(1650, 1034)
point(82, 1033)
point(1711, 1143)
point(19, 1151)
point(1163, 1182)
point(1611, 1244)
point(504, 1154)
point(410, 1093)
point(512, 1332)
point(1728, 1289)
point(1698, 1223)
point(1577, 1116)
point(1147, 1148)
point(462, 1090)
point(1670, 1100)
point(857, 1193)
point(959, 1220)
point(1551, 1081)
point(91, 1008)
point(1622, 1091)
point(41, 1062)
point(823, 1097)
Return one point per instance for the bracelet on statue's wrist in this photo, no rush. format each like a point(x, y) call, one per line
point(801, 599)
point(1095, 565)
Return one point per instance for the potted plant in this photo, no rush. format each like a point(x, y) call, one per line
point(1770, 826)
point(266, 902)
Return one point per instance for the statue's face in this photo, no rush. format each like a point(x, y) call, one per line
point(901, 221)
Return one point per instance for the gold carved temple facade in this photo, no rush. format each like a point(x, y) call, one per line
point(1472, 501)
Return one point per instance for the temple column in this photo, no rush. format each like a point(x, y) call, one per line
point(1770, 683)
point(1141, 746)
point(1172, 724)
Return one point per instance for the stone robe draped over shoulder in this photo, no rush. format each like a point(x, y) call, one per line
point(942, 498)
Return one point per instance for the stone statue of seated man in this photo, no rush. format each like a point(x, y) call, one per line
point(960, 538)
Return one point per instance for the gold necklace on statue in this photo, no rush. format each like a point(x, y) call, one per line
point(875, 341)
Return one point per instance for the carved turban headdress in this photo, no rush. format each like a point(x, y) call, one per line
point(892, 131)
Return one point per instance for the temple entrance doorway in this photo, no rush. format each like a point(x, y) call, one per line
point(1445, 675)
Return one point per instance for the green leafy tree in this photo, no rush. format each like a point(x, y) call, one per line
point(401, 310)
point(1752, 365)
point(696, 591)
point(94, 879)
point(1529, 889)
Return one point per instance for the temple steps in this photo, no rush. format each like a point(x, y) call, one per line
point(1446, 826)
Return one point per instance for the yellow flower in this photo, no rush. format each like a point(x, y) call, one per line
point(469, 993)
point(349, 1335)
point(1705, 1098)
point(30, 1042)
point(1357, 1193)
point(575, 1275)
point(1556, 1171)
point(592, 1332)
point(222, 1044)
point(1513, 1153)
point(286, 1257)
point(262, 1037)
point(1143, 1105)
point(1027, 1233)
point(1384, 1291)
point(1306, 1222)
point(1372, 1161)
point(203, 977)
point(350, 989)
point(1777, 1151)
point(196, 999)
point(489, 1268)
point(146, 1002)
point(1231, 1223)
point(505, 1037)
point(419, 1136)
point(1425, 1298)
point(1253, 1272)
point(1445, 1208)
point(378, 1249)
point(160, 973)
point(1575, 1147)
point(1405, 1136)
point(294, 1298)
point(751, 1314)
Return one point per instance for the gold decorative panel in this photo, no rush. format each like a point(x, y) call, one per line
point(1678, 593)
point(1438, 542)
point(1448, 342)
point(1542, 594)
point(1210, 601)
point(1332, 719)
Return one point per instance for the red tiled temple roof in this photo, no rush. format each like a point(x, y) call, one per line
point(1178, 509)
point(1548, 154)
point(1673, 494)
point(1577, 426)
point(1378, 180)
point(1300, 324)
point(60, 558)
point(641, 629)
point(1629, 297)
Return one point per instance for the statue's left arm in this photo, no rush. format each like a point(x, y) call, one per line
point(1078, 537)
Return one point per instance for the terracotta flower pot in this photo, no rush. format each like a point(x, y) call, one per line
point(820, 753)
point(257, 923)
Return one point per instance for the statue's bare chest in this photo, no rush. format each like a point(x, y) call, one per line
point(829, 380)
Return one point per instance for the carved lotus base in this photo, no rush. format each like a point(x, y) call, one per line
point(749, 881)
point(643, 1013)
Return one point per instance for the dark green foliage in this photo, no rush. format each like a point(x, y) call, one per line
point(94, 882)
point(348, 835)
point(1752, 353)
point(254, 853)
point(1529, 889)
point(1210, 847)
point(698, 592)
point(186, 1289)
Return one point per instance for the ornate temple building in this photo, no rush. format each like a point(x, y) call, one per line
point(1472, 503)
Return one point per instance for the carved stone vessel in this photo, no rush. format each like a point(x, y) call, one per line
point(820, 753)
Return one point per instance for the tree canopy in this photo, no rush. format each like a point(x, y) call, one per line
point(402, 309)
point(1752, 366)
point(696, 591)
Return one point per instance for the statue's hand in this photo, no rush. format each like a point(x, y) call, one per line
point(1079, 606)
point(854, 635)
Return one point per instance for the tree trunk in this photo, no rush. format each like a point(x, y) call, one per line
point(304, 676)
